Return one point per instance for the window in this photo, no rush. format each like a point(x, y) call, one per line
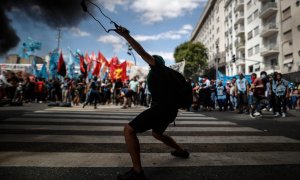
point(287, 35)
point(256, 31)
point(255, 14)
point(250, 35)
point(286, 13)
point(250, 52)
point(256, 67)
point(251, 69)
point(249, 3)
point(249, 19)
point(256, 49)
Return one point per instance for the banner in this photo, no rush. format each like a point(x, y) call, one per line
point(178, 67)
point(118, 71)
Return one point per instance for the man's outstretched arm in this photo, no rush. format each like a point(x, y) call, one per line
point(135, 45)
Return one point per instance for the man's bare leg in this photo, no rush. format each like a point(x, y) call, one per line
point(168, 141)
point(133, 147)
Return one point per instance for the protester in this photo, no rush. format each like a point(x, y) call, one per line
point(281, 95)
point(241, 91)
point(162, 112)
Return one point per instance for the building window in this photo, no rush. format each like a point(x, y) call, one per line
point(255, 14)
point(250, 35)
point(287, 35)
point(256, 49)
point(256, 31)
point(250, 52)
point(274, 62)
point(286, 13)
point(249, 19)
point(249, 3)
point(251, 69)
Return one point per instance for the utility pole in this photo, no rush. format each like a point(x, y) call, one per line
point(58, 36)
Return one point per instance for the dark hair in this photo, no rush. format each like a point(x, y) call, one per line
point(263, 72)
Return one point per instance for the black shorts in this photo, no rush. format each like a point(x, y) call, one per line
point(156, 118)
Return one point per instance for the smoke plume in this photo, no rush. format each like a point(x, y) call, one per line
point(54, 13)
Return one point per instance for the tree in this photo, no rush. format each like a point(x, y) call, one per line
point(195, 55)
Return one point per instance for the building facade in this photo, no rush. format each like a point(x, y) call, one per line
point(259, 35)
point(210, 31)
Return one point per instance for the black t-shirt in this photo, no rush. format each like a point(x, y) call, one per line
point(159, 84)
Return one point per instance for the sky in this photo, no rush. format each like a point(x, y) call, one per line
point(158, 25)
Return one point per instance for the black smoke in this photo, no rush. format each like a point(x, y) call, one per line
point(54, 13)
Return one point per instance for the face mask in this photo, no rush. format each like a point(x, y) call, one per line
point(263, 76)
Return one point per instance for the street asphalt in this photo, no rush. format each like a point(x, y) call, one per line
point(30, 134)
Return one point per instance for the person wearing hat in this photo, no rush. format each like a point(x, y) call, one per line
point(157, 118)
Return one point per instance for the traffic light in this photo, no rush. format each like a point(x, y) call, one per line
point(233, 58)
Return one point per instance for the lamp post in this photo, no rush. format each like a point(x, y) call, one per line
point(129, 52)
point(217, 60)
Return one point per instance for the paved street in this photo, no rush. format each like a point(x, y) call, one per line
point(41, 142)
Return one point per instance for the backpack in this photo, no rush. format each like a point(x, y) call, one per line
point(182, 90)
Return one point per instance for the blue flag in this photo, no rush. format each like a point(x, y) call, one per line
point(43, 72)
point(54, 56)
point(28, 48)
point(34, 70)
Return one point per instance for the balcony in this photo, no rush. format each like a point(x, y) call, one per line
point(268, 9)
point(269, 50)
point(241, 46)
point(239, 61)
point(239, 5)
point(240, 30)
point(239, 17)
point(269, 30)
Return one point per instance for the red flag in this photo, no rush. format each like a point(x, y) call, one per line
point(83, 67)
point(118, 71)
point(89, 62)
point(97, 69)
point(114, 61)
point(61, 69)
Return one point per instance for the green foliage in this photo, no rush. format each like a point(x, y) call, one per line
point(195, 56)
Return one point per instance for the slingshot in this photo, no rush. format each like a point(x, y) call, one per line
point(85, 9)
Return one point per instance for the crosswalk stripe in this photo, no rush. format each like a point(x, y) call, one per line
point(58, 159)
point(110, 121)
point(120, 128)
point(113, 113)
point(144, 139)
point(106, 117)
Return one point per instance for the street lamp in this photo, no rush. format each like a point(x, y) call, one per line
point(129, 52)
point(217, 60)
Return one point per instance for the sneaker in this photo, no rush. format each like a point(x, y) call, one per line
point(276, 114)
point(252, 115)
point(283, 115)
point(271, 109)
point(83, 105)
point(184, 154)
point(257, 114)
point(131, 175)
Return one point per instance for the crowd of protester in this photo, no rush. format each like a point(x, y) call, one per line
point(266, 92)
point(74, 92)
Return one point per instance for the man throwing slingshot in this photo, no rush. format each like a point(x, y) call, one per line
point(162, 112)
